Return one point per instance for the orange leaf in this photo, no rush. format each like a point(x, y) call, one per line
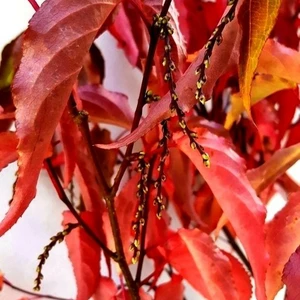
point(52, 59)
point(256, 19)
point(228, 182)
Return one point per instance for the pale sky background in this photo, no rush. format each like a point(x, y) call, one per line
point(20, 247)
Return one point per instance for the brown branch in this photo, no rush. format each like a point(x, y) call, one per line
point(62, 195)
point(16, 288)
point(109, 199)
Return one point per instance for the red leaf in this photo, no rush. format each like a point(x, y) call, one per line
point(8, 148)
point(285, 112)
point(194, 255)
point(84, 254)
point(170, 290)
point(106, 289)
point(183, 194)
point(70, 143)
point(291, 276)
point(122, 31)
point(105, 106)
point(283, 237)
point(194, 14)
point(221, 60)
point(241, 278)
point(280, 61)
point(229, 184)
point(58, 37)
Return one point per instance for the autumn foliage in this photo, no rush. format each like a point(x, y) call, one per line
point(216, 125)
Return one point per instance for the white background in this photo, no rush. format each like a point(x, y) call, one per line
point(20, 247)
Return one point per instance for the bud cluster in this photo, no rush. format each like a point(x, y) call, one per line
point(58, 238)
point(216, 38)
point(142, 192)
point(163, 143)
point(170, 67)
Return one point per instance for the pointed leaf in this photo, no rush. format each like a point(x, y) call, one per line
point(58, 37)
point(196, 258)
point(282, 239)
point(291, 276)
point(228, 182)
point(84, 254)
point(256, 19)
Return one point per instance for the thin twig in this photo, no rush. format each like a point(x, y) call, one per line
point(16, 288)
point(62, 195)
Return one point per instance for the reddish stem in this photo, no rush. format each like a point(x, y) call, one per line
point(34, 4)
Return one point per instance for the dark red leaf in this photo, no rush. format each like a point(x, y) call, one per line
point(291, 276)
point(58, 37)
point(84, 254)
point(105, 106)
point(70, 137)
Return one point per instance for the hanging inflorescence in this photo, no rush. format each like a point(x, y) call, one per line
point(165, 32)
point(58, 238)
point(142, 192)
point(216, 38)
point(163, 143)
